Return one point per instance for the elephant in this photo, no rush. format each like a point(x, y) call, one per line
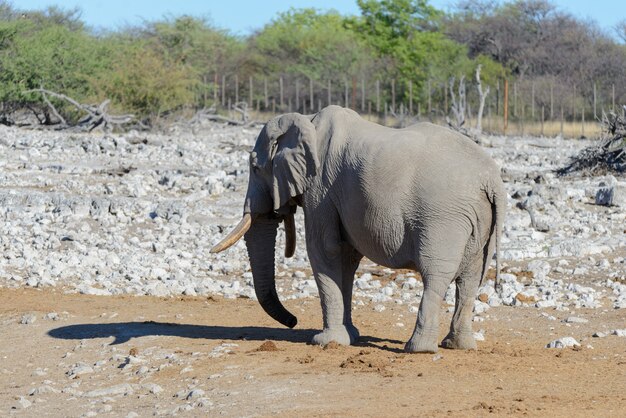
point(424, 198)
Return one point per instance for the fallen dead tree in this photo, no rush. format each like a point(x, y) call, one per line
point(96, 116)
point(210, 114)
point(609, 155)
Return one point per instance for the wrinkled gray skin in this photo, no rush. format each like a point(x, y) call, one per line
point(424, 198)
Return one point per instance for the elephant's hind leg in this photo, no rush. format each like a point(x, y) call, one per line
point(461, 335)
point(350, 260)
point(426, 333)
point(440, 258)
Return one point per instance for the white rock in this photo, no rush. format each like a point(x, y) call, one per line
point(121, 389)
point(28, 319)
point(619, 332)
point(196, 393)
point(575, 320)
point(24, 403)
point(563, 343)
point(42, 390)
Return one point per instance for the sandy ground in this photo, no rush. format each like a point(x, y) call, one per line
point(199, 356)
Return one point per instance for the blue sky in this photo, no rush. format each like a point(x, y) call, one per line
point(244, 16)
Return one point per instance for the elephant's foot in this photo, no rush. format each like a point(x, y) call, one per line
point(422, 343)
point(459, 341)
point(354, 333)
point(337, 334)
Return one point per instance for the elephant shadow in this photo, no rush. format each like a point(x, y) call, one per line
point(123, 332)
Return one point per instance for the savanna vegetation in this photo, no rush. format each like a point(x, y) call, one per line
point(393, 52)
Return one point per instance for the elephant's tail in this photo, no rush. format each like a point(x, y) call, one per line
point(499, 202)
point(497, 198)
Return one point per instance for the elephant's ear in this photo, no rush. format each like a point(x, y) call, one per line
point(295, 161)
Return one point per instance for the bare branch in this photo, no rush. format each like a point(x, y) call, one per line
point(53, 109)
point(482, 95)
point(96, 115)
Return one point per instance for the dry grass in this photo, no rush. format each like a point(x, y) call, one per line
point(590, 129)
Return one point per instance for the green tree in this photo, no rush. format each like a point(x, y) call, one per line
point(405, 32)
point(312, 44)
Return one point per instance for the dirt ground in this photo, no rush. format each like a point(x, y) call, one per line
point(144, 356)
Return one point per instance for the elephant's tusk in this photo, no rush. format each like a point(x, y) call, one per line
point(234, 236)
point(290, 235)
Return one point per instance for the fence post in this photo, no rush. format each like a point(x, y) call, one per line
point(561, 121)
point(445, 99)
point(223, 90)
point(583, 121)
point(362, 95)
point(543, 117)
point(515, 99)
point(430, 108)
point(574, 106)
point(329, 94)
point(236, 89)
point(595, 112)
point(522, 117)
point(613, 98)
point(215, 88)
point(282, 103)
point(378, 96)
point(311, 102)
point(385, 119)
point(345, 97)
point(497, 97)
point(298, 95)
point(251, 93)
point(267, 101)
point(506, 105)
point(410, 97)
point(552, 101)
point(532, 101)
point(205, 85)
point(354, 93)
point(393, 94)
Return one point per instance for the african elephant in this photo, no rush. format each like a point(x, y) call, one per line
point(424, 198)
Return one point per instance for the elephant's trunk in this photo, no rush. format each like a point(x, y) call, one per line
point(261, 241)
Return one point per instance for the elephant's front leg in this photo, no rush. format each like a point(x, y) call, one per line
point(329, 283)
point(350, 259)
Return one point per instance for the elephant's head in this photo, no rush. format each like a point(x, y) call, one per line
point(282, 163)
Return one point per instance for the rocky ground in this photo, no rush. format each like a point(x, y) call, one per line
point(90, 221)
